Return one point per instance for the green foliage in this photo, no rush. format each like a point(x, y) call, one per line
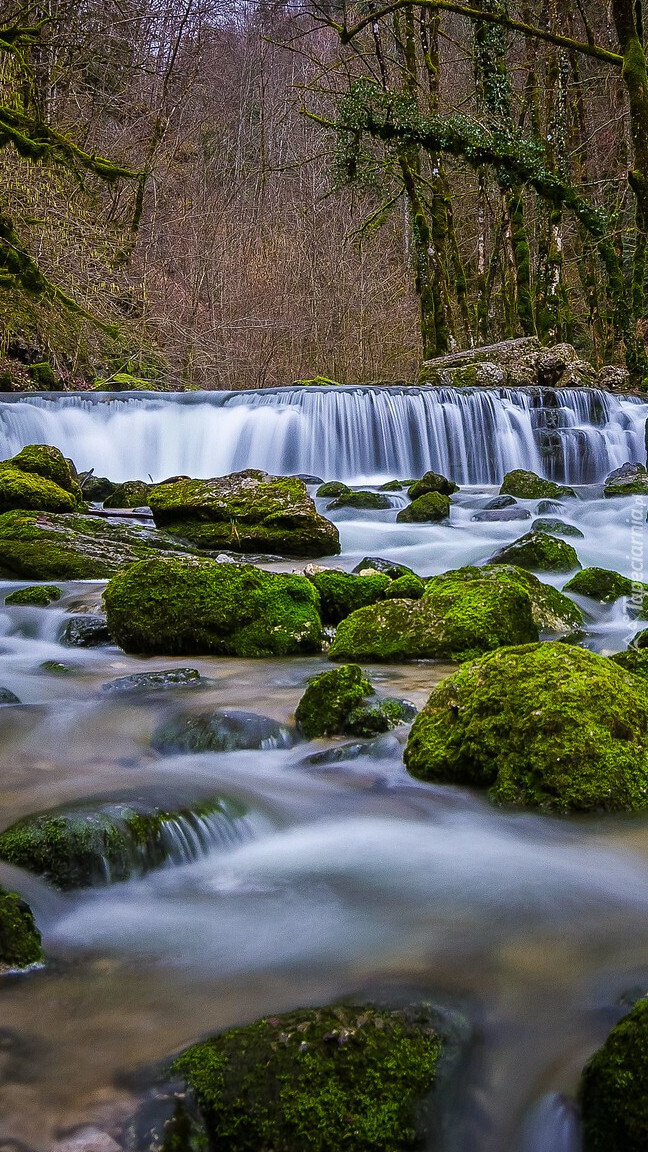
point(546, 725)
point(315, 1080)
point(613, 1091)
point(178, 605)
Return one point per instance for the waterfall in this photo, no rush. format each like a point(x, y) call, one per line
point(360, 434)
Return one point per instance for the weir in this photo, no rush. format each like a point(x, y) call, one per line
point(359, 433)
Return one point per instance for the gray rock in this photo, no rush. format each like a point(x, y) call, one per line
point(556, 527)
point(224, 731)
point(500, 502)
point(85, 632)
point(141, 682)
point(502, 514)
point(7, 697)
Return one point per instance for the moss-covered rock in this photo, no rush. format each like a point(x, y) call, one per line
point(372, 564)
point(528, 486)
point(343, 702)
point(20, 942)
point(333, 488)
point(538, 552)
point(455, 620)
point(629, 480)
point(633, 660)
point(602, 584)
point(96, 488)
point(426, 509)
point(39, 478)
point(407, 587)
point(185, 605)
point(314, 1080)
point(49, 463)
point(141, 683)
point(224, 731)
point(341, 592)
point(556, 527)
point(247, 511)
point(373, 501)
point(431, 482)
point(132, 494)
point(39, 595)
point(76, 848)
point(613, 1096)
point(552, 611)
point(544, 725)
point(39, 546)
point(392, 486)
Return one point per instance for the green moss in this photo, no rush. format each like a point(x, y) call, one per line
point(189, 605)
point(543, 725)
point(601, 584)
point(20, 942)
point(333, 488)
point(337, 703)
point(82, 847)
point(224, 731)
point(633, 660)
point(556, 527)
point(48, 462)
point(39, 594)
point(528, 486)
point(456, 620)
point(341, 593)
point(317, 382)
point(393, 486)
point(43, 374)
point(613, 1097)
point(22, 490)
point(432, 506)
point(538, 552)
point(629, 480)
point(132, 494)
point(316, 1080)
point(126, 382)
point(408, 587)
point(39, 546)
point(431, 482)
point(552, 612)
point(246, 512)
point(370, 500)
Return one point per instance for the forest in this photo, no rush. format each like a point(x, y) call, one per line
point(240, 196)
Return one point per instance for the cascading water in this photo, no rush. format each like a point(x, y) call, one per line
point(357, 433)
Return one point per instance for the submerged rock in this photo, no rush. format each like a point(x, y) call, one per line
point(628, 480)
point(39, 478)
point(342, 592)
point(20, 941)
point(85, 631)
point(45, 546)
point(457, 619)
point(343, 702)
point(182, 605)
point(313, 1080)
point(613, 1097)
point(39, 595)
point(430, 507)
point(492, 515)
point(223, 731)
point(142, 682)
point(76, 848)
point(432, 482)
point(132, 494)
point(247, 511)
point(543, 725)
point(527, 485)
point(539, 552)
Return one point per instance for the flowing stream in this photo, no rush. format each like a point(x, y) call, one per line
point(344, 878)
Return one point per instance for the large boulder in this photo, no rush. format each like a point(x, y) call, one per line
point(80, 847)
point(527, 485)
point(539, 552)
point(605, 585)
point(313, 1080)
point(180, 605)
point(341, 593)
point(628, 480)
point(247, 511)
point(432, 482)
point(47, 546)
point(426, 509)
point(543, 725)
point(511, 364)
point(552, 612)
point(20, 942)
point(343, 702)
point(455, 620)
point(39, 478)
point(613, 1095)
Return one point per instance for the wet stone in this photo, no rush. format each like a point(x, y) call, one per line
point(8, 697)
point(223, 731)
point(500, 502)
point(492, 515)
point(141, 682)
point(85, 632)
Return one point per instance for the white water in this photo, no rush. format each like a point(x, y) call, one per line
point(361, 433)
